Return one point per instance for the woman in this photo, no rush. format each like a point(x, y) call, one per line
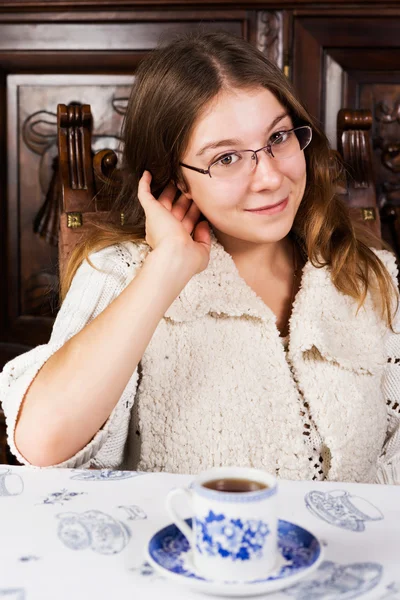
point(239, 318)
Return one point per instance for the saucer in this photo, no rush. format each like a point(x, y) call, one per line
point(299, 554)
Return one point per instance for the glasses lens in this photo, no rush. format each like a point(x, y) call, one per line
point(289, 143)
point(233, 165)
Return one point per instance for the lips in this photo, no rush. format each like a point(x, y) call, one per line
point(267, 207)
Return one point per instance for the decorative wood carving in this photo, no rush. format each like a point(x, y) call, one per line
point(383, 98)
point(89, 181)
point(33, 183)
point(47, 221)
point(269, 35)
point(354, 145)
point(385, 114)
point(74, 151)
point(387, 154)
point(388, 141)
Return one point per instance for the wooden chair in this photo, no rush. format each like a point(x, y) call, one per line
point(355, 149)
point(88, 181)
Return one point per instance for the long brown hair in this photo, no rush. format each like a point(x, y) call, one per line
point(172, 87)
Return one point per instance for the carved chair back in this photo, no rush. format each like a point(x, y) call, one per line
point(88, 181)
point(355, 148)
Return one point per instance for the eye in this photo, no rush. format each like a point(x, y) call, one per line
point(227, 160)
point(280, 137)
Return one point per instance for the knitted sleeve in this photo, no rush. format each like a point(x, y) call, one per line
point(92, 290)
point(389, 462)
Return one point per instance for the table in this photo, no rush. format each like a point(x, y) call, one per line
point(46, 552)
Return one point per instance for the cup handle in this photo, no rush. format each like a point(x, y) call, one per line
point(179, 522)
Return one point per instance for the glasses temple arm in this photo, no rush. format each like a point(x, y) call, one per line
point(205, 172)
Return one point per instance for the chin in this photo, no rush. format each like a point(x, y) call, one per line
point(263, 233)
point(272, 233)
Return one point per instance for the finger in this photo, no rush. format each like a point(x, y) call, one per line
point(202, 234)
point(192, 216)
point(167, 196)
point(144, 193)
point(180, 207)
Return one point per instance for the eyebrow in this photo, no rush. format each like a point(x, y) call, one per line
point(235, 141)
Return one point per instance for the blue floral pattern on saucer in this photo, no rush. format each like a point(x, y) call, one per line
point(299, 553)
point(230, 538)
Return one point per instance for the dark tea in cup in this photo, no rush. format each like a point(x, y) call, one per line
point(234, 485)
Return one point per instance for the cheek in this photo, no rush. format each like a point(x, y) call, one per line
point(213, 196)
point(296, 170)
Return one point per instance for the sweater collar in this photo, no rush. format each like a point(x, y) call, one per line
point(325, 319)
point(322, 317)
point(218, 289)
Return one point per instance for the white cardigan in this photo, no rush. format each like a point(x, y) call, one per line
point(216, 387)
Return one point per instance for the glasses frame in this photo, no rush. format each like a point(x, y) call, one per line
point(268, 148)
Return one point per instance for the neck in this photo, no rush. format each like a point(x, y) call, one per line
point(269, 259)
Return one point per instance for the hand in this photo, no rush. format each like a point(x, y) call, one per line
point(175, 225)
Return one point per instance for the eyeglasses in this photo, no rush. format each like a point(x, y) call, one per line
point(282, 145)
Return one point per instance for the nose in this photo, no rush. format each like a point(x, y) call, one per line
point(266, 175)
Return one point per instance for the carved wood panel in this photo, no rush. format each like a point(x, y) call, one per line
point(32, 117)
point(384, 102)
point(384, 99)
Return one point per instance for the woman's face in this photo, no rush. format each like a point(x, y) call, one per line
point(240, 120)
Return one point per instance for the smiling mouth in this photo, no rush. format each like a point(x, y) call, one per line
point(268, 207)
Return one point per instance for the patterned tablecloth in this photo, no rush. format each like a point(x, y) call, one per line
point(68, 534)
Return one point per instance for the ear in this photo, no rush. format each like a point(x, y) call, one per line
point(183, 188)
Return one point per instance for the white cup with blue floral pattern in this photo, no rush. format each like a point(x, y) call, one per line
point(234, 533)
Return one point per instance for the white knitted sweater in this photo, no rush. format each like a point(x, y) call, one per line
point(215, 386)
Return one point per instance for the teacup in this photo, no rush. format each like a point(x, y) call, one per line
point(234, 529)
